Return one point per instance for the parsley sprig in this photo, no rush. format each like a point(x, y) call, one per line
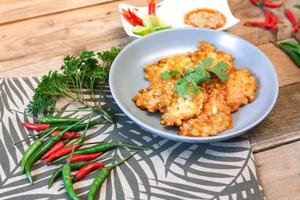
point(193, 77)
point(79, 75)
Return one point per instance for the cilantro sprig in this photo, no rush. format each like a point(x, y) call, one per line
point(78, 75)
point(167, 75)
point(194, 77)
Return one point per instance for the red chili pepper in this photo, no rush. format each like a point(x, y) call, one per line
point(61, 152)
point(296, 28)
point(59, 145)
point(269, 4)
point(274, 21)
point(131, 17)
point(68, 135)
point(255, 2)
point(85, 170)
point(253, 23)
point(268, 15)
point(151, 7)
point(83, 157)
point(36, 126)
point(288, 13)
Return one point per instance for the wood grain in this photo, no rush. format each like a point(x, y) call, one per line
point(282, 125)
point(287, 71)
point(40, 43)
point(279, 172)
point(37, 34)
point(245, 11)
point(16, 10)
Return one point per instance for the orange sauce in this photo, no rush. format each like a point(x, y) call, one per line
point(205, 18)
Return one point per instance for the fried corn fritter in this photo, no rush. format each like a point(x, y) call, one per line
point(203, 114)
point(241, 88)
point(157, 97)
point(214, 118)
point(183, 108)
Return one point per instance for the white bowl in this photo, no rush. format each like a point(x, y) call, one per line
point(172, 12)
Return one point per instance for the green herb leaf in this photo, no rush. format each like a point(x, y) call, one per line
point(195, 89)
point(77, 73)
point(86, 54)
point(205, 63)
point(181, 87)
point(220, 71)
point(167, 75)
point(188, 70)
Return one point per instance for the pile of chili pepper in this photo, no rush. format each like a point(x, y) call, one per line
point(266, 3)
point(135, 20)
point(58, 144)
point(271, 21)
point(291, 48)
point(131, 17)
point(292, 18)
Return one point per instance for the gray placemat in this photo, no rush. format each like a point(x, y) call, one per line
point(166, 170)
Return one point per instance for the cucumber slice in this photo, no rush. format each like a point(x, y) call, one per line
point(141, 30)
point(151, 21)
point(158, 28)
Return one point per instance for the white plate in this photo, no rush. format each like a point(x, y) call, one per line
point(172, 12)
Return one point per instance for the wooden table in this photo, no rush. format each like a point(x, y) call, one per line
point(35, 35)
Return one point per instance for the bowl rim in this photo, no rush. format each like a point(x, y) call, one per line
point(189, 139)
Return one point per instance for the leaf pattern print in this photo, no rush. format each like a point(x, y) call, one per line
point(165, 170)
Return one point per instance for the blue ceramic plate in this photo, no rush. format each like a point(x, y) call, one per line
point(127, 77)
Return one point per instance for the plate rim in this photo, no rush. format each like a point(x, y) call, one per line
point(189, 139)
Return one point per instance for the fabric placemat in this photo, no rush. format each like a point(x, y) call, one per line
point(166, 170)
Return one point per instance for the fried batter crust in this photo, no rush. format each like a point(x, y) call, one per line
point(214, 118)
point(157, 97)
point(241, 88)
point(183, 109)
point(207, 113)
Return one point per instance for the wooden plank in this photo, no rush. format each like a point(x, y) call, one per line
point(278, 171)
point(16, 10)
point(287, 71)
point(28, 52)
point(282, 125)
point(245, 11)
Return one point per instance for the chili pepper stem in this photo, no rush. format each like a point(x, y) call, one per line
point(28, 138)
point(24, 113)
point(295, 37)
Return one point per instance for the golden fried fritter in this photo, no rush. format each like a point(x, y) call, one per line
point(214, 118)
point(207, 113)
point(205, 46)
point(241, 88)
point(181, 62)
point(183, 109)
point(178, 62)
point(157, 97)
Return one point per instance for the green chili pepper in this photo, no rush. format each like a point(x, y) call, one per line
point(101, 177)
point(74, 166)
point(43, 149)
point(102, 147)
point(80, 127)
point(56, 120)
point(82, 137)
point(67, 178)
point(32, 149)
point(291, 53)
